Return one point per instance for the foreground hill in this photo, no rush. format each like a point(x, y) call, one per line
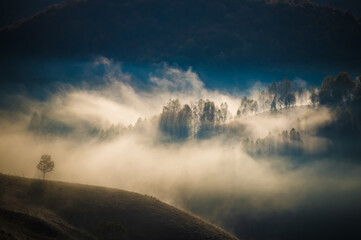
point(32, 209)
point(214, 32)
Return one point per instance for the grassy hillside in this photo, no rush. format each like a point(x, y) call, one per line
point(32, 209)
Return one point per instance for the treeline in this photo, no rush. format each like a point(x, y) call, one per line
point(49, 126)
point(203, 118)
point(343, 96)
point(280, 95)
point(197, 120)
point(339, 91)
point(333, 92)
point(284, 143)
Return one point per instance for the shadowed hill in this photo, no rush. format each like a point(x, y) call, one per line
point(33, 209)
point(349, 5)
point(13, 10)
point(214, 32)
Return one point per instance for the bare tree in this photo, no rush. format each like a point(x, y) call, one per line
point(46, 164)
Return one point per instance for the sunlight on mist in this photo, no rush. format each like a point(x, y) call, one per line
point(135, 159)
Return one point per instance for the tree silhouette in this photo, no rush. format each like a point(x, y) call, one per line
point(337, 91)
point(45, 165)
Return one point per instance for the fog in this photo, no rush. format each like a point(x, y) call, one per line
point(214, 177)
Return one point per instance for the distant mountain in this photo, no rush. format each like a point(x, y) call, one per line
point(13, 10)
point(32, 209)
point(215, 32)
point(353, 6)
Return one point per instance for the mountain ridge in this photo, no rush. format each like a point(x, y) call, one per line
point(216, 33)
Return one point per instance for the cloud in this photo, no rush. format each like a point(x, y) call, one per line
point(185, 174)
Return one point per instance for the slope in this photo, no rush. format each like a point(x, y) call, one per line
point(34, 209)
point(215, 32)
point(13, 10)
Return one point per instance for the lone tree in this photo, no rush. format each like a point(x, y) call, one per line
point(45, 165)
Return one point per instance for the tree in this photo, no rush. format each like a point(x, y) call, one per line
point(343, 87)
point(314, 95)
point(273, 104)
point(223, 112)
point(301, 91)
point(208, 116)
point(290, 100)
point(337, 91)
point(45, 165)
point(207, 119)
point(357, 89)
point(176, 120)
point(169, 117)
point(184, 122)
point(282, 94)
point(248, 107)
point(294, 135)
point(286, 94)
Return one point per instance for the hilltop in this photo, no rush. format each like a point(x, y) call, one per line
point(14, 10)
point(349, 5)
point(33, 209)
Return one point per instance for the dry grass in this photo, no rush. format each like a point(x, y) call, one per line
point(33, 209)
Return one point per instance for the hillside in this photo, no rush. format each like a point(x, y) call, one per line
point(14, 10)
point(32, 209)
point(217, 32)
point(348, 5)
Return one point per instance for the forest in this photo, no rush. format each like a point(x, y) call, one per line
point(204, 119)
